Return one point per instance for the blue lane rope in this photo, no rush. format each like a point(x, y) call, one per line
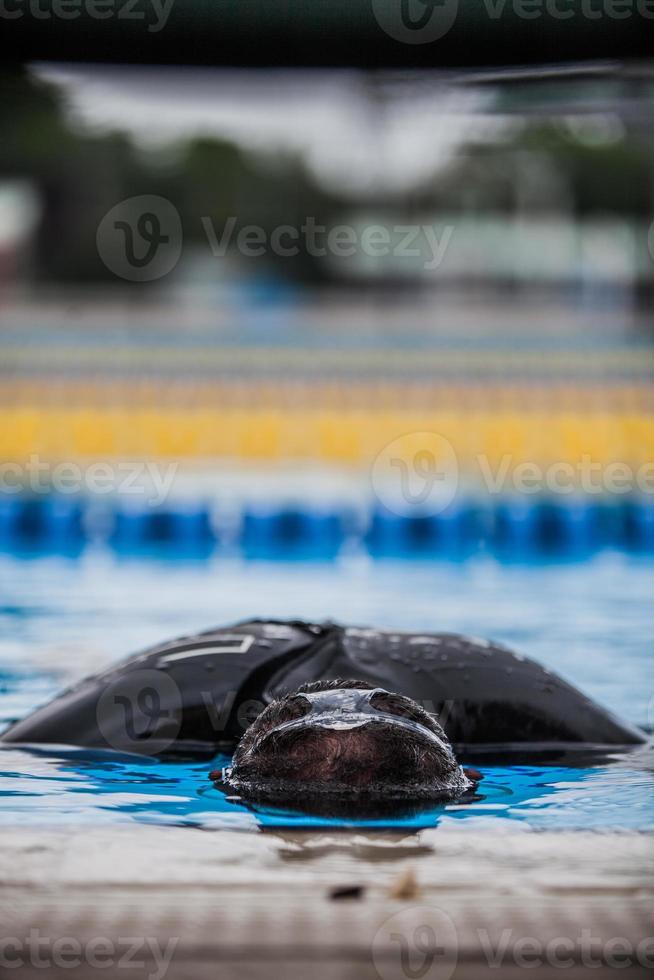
point(506, 527)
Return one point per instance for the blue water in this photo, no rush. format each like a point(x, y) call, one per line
point(78, 786)
point(60, 619)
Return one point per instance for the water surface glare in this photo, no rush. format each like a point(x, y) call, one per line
point(62, 786)
point(60, 619)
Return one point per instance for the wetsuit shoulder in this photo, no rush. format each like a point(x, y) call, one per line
point(194, 694)
point(482, 691)
point(197, 694)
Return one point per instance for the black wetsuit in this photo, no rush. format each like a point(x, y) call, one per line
point(197, 694)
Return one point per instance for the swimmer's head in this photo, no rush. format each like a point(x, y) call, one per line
point(345, 739)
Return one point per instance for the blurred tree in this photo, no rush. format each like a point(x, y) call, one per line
point(542, 166)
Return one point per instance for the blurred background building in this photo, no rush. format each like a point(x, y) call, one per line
point(333, 314)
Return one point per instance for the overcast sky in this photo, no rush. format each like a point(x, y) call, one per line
point(353, 132)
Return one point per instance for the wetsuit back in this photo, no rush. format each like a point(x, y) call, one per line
point(197, 694)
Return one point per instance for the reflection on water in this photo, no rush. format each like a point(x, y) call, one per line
point(59, 620)
point(62, 785)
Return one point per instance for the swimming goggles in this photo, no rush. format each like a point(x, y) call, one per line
point(347, 708)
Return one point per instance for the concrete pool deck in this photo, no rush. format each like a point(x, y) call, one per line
point(187, 903)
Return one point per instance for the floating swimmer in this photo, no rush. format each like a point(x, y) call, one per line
point(197, 695)
point(345, 740)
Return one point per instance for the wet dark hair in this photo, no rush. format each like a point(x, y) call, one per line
point(380, 761)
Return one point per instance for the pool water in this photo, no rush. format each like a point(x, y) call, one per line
point(79, 786)
point(61, 619)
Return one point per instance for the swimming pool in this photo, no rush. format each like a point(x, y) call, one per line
point(63, 618)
